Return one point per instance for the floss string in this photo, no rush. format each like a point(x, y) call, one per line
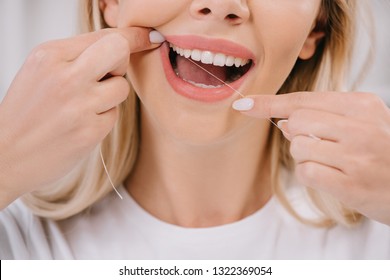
point(229, 86)
point(226, 84)
point(108, 174)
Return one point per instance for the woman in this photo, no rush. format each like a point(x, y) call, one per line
point(195, 174)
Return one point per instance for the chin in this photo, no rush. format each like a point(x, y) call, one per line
point(203, 133)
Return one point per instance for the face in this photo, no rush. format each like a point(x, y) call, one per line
point(263, 38)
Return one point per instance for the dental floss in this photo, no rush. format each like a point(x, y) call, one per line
point(235, 90)
point(208, 72)
point(108, 175)
point(229, 86)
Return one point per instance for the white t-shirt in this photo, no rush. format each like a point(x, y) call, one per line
point(121, 229)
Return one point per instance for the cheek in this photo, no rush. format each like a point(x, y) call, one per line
point(283, 27)
point(149, 13)
point(286, 28)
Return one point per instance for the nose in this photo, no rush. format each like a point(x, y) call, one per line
point(233, 12)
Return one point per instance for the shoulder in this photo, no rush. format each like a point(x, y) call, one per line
point(15, 219)
point(22, 234)
point(14, 222)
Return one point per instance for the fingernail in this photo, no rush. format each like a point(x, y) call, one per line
point(156, 37)
point(282, 124)
point(244, 104)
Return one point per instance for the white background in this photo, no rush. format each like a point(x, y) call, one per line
point(26, 23)
point(281, 270)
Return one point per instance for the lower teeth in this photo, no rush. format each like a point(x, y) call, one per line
point(198, 84)
point(201, 85)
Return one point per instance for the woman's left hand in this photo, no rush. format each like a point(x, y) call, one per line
point(340, 142)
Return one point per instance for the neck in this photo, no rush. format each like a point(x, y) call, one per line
point(202, 185)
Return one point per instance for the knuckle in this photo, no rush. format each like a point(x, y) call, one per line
point(296, 119)
point(44, 54)
point(369, 100)
point(120, 43)
point(306, 173)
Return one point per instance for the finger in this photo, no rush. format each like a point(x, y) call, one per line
point(106, 122)
point(109, 94)
point(304, 148)
point(111, 54)
point(282, 106)
point(324, 125)
point(323, 178)
point(138, 39)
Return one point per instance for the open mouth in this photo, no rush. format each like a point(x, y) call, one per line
point(213, 70)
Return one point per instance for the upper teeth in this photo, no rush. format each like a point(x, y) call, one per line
point(208, 57)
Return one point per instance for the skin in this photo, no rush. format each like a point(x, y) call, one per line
point(196, 158)
point(203, 157)
point(345, 163)
point(57, 109)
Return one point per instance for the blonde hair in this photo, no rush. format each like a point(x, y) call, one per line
point(87, 183)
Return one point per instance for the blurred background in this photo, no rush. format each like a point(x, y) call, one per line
point(27, 23)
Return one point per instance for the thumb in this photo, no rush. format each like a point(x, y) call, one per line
point(141, 39)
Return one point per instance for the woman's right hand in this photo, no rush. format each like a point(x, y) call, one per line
point(59, 107)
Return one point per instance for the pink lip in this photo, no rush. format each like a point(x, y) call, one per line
point(217, 46)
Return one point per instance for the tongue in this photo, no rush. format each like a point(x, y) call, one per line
point(190, 72)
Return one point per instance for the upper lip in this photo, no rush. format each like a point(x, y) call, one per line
point(223, 46)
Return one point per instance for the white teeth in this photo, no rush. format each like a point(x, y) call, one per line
point(237, 62)
point(208, 57)
point(202, 85)
point(219, 59)
point(230, 61)
point(196, 55)
point(187, 53)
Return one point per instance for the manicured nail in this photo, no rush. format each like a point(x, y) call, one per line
point(282, 124)
point(156, 37)
point(244, 104)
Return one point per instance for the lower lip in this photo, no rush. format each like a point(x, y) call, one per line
point(191, 91)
